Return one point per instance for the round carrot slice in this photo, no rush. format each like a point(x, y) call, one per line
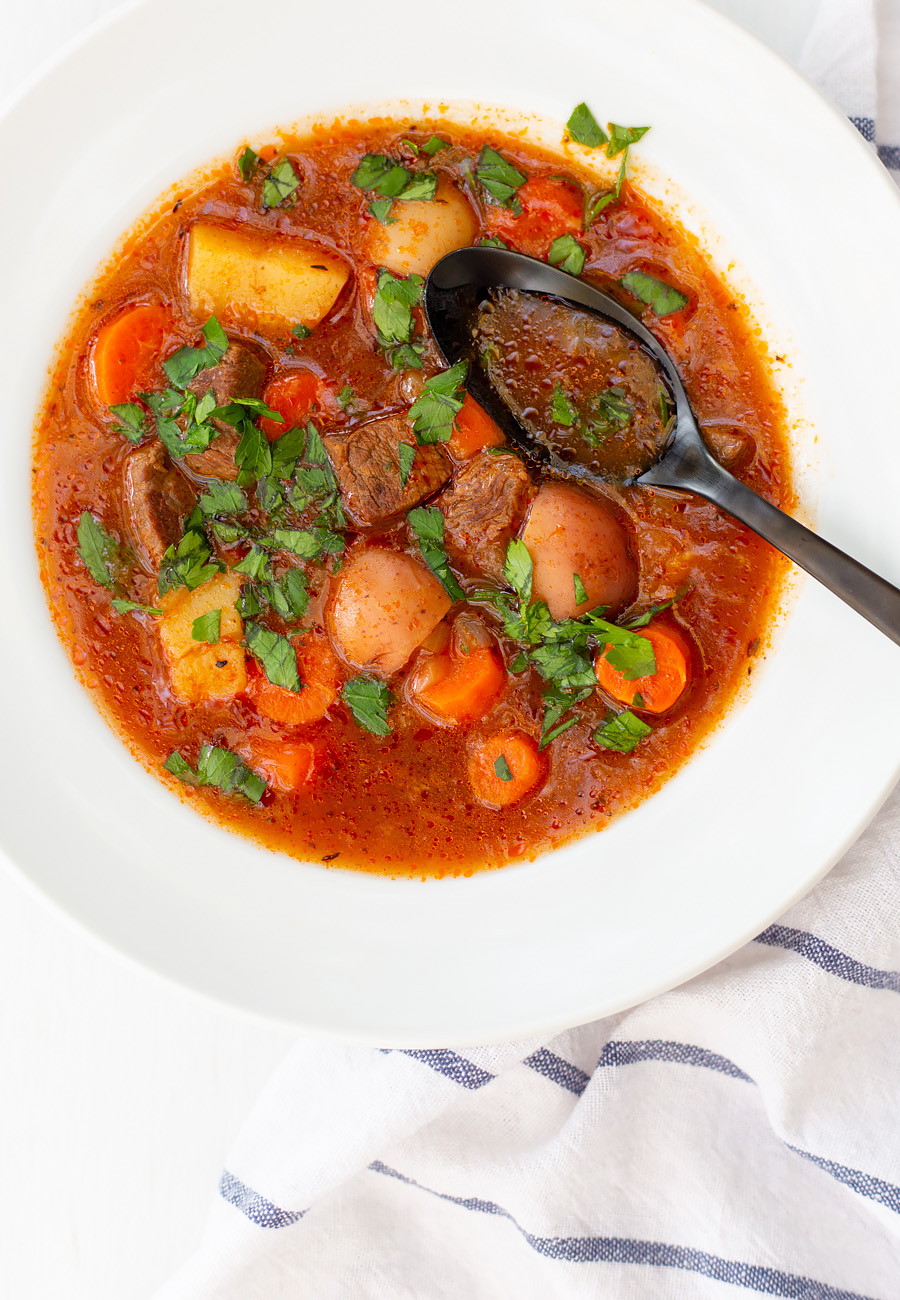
point(505, 767)
point(320, 675)
point(285, 767)
point(658, 691)
point(127, 349)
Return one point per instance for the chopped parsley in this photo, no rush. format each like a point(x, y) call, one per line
point(408, 355)
point(641, 620)
point(275, 654)
point(247, 163)
point(368, 700)
point(381, 211)
point(100, 553)
point(190, 562)
point(301, 331)
point(580, 593)
point(662, 298)
point(221, 768)
point(280, 183)
point(392, 308)
point(595, 204)
point(501, 180)
point(620, 137)
point(561, 408)
point(391, 180)
point(441, 400)
point(567, 254)
point(427, 523)
point(621, 732)
point(185, 364)
point(222, 498)
point(491, 241)
point(584, 127)
point(132, 607)
point(610, 410)
point(208, 627)
point(502, 768)
point(132, 421)
point(434, 145)
point(406, 454)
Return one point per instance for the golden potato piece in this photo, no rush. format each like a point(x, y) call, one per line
point(210, 672)
point(181, 607)
point(262, 280)
point(422, 232)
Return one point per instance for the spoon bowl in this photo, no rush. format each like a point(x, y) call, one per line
point(454, 291)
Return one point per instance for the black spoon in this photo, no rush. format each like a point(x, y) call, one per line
point(453, 294)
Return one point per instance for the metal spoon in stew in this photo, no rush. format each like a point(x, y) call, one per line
point(476, 298)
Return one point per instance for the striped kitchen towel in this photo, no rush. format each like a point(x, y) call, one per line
point(740, 1134)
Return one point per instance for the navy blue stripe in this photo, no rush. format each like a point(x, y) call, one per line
point(866, 127)
point(262, 1212)
point(553, 1067)
point(659, 1049)
point(451, 1064)
point(890, 155)
point(657, 1254)
point(830, 959)
point(867, 1185)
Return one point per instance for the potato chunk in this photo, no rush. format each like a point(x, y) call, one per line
point(197, 671)
point(569, 532)
point(422, 232)
point(262, 280)
point(384, 605)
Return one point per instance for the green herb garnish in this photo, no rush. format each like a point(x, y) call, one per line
point(501, 180)
point(580, 593)
point(561, 408)
point(275, 654)
point(222, 498)
point(392, 309)
point(584, 127)
point(132, 607)
point(301, 331)
point(567, 254)
point(221, 768)
point(185, 364)
point(406, 454)
point(133, 421)
point(368, 700)
point(100, 553)
point(427, 523)
point(208, 627)
point(434, 145)
point(662, 298)
point(392, 181)
point(441, 400)
point(502, 768)
point(190, 562)
point(381, 211)
point(247, 163)
point(280, 183)
point(621, 732)
point(620, 137)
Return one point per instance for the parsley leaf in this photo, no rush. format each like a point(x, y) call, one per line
point(379, 173)
point(301, 331)
point(580, 593)
point(620, 137)
point(406, 454)
point(280, 183)
point(492, 241)
point(286, 451)
point(275, 653)
point(392, 308)
point(501, 180)
point(255, 563)
point(381, 211)
point(218, 767)
point(502, 768)
point(253, 454)
point(208, 627)
point(368, 700)
point(584, 127)
point(222, 498)
point(183, 365)
point(662, 298)
point(247, 163)
point(190, 562)
point(427, 523)
point(518, 569)
point(622, 732)
point(567, 254)
point(595, 205)
point(432, 415)
point(434, 145)
point(641, 620)
point(408, 355)
point(556, 703)
point(289, 597)
point(132, 607)
point(610, 410)
point(98, 550)
point(133, 420)
point(561, 408)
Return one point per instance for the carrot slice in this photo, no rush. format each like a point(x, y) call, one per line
point(660, 690)
point(506, 767)
point(126, 350)
point(286, 766)
point(464, 686)
point(551, 206)
point(473, 430)
point(320, 675)
point(296, 396)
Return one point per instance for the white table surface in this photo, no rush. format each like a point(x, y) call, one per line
point(119, 1094)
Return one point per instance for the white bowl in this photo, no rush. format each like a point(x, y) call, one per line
point(762, 167)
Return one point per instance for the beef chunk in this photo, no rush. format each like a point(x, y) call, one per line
point(366, 463)
point(483, 510)
point(240, 373)
point(156, 499)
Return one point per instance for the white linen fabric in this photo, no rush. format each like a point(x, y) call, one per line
point(740, 1133)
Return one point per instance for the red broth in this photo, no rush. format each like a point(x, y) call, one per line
point(406, 802)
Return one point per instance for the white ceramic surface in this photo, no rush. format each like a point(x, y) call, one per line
point(757, 816)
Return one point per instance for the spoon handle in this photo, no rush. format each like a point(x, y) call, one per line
point(688, 465)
